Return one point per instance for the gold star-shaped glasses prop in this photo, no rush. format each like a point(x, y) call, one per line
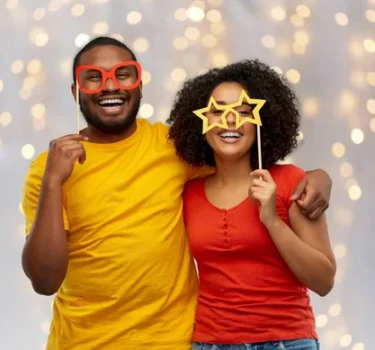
point(255, 119)
point(231, 108)
point(200, 113)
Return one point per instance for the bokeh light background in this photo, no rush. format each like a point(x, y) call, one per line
point(326, 49)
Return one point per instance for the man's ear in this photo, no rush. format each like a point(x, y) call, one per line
point(74, 90)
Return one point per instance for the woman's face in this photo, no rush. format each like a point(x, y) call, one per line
point(230, 144)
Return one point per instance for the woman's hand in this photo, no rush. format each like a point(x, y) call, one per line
point(263, 189)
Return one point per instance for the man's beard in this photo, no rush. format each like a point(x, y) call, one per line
point(113, 127)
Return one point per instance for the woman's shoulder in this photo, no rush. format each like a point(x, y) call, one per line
point(285, 172)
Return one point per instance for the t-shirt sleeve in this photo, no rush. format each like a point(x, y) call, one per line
point(195, 172)
point(30, 196)
point(289, 177)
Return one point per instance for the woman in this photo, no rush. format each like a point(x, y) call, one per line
point(257, 254)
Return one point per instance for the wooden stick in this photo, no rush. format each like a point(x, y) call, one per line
point(77, 108)
point(259, 147)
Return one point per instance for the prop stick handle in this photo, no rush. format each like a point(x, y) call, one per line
point(259, 147)
point(77, 108)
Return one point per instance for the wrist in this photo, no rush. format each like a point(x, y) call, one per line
point(52, 182)
point(272, 222)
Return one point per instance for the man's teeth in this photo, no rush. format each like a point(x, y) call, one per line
point(230, 134)
point(111, 102)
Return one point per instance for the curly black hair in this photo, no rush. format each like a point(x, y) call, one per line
point(280, 116)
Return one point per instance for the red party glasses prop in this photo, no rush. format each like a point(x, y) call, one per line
point(92, 79)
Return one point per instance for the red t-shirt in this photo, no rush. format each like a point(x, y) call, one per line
point(247, 293)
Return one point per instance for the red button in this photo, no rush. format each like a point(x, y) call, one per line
point(226, 226)
point(226, 241)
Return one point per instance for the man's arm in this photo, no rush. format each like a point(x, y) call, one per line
point(313, 193)
point(45, 254)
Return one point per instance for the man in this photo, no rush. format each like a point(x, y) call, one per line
point(107, 233)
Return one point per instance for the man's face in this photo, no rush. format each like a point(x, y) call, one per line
point(112, 110)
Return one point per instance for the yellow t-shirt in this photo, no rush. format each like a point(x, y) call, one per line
point(131, 282)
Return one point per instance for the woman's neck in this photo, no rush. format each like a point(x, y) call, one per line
point(232, 172)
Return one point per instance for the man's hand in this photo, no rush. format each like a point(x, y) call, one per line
point(313, 193)
point(62, 156)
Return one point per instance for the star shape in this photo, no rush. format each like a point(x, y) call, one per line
point(255, 112)
point(223, 120)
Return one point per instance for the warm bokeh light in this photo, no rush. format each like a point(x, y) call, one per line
point(297, 20)
point(219, 60)
point(340, 251)
point(140, 45)
point(12, 4)
point(39, 14)
point(78, 10)
point(278, 70)
point(346, 169)
point(217, 28)
point(34, 66)
point(321, 320)
point(5, 118)
point(213, 16)
point(178, 75)
point(100, 28)
point(29, 83)
point(334, 310)
point(310, 107)
point(303, 11)
point(38, 111)
point(268, 41)
point(134, 17)
point(192, 33)
point(293, 76)
point(17, 66)
point(370, 78)
point(345, 340)
point(81, 40)
point(28, 151)
point(301, 37)
point(357, 136)
point(354, 192)
point(341, 19)
point(278, 14)
point(1, 85)
point(338, 150)
point(369, 45)
point(41, 39)
point(283, 48)
point(146, 77)
point(370, 15)
point(180, 43)
point(181, 14)
point(358, 346)
point(146, 111)
point(298, 49)
point(209, 41)
point(347, 100)
point(370, 105)
point(358, 79)
point(372, 124)
point(195, 13)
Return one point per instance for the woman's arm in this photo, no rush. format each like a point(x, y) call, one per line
point(305, 246)
point(306, 249)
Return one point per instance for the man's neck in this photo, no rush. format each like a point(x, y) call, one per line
point(97, 136)
point(231, 173)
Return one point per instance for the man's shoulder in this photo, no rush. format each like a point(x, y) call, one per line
point(39, 163)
